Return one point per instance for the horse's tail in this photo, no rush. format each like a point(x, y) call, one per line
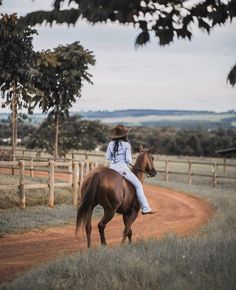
point(87, 203)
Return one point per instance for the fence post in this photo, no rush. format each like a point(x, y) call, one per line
point(51, 182)
point(87, 167)
point(81, 176)
point(13, 167)
point(214, 170)
point(224, 164)
point(22, 183)
point(189, 172)
point(166, 170)
point(70, 169)
point(37, 155)
point(75, 184)
point(31, 167)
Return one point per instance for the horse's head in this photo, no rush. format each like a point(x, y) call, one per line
point(147, 161)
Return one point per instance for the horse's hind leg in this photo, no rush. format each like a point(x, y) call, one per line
point(108, 215)
point(88, 228)
point(128, 220)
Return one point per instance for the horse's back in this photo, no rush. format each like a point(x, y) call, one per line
point(112, 191)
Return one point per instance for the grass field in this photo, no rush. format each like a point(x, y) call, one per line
point(205, 261)
point(186, 119)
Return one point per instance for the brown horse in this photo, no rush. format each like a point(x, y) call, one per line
point(106, 187)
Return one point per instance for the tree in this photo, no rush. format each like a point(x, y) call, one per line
point(75, 134)
point(16, 57)
point(62, 72)
point(166, 19)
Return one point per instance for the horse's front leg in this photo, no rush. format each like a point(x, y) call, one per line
point(108, 215)
point(128, 221)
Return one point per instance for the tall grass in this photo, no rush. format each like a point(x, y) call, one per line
point(167, 264)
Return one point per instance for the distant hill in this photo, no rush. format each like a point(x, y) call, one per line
point(165, 118)
point(140, 113)
point(153, 118)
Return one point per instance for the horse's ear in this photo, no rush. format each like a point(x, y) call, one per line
point(150, 150)
point(141, 147)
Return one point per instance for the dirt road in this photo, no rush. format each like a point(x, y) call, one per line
point(178, 213)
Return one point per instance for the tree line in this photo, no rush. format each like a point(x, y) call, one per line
point(81, 134)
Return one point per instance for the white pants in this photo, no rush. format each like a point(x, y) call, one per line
point(132, 178)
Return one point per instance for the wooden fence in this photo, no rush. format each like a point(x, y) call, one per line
point(211, 171)
point(76, 172)
point(23, 154)
point(214, 169)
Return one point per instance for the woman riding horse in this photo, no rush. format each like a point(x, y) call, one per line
point(119, 153)
point(107, 187)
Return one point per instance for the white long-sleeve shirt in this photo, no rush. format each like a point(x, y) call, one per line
point(122, 158)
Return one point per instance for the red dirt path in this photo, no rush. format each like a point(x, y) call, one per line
point(177, 213)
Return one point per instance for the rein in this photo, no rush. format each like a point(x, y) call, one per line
point(139, 169)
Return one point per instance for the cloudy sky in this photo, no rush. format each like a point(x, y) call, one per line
point(184, 75)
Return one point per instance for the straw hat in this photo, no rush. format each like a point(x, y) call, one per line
point(119, 131)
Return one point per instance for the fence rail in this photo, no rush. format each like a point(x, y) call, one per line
point(211, 170)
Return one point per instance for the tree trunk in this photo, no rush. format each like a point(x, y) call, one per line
point(14, 120)
point(56, 135)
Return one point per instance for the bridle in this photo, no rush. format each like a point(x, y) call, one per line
point(144, 171)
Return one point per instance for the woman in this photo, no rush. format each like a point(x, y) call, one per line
point(119, 153)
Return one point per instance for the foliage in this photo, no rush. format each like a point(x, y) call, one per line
point(24, 129)
point(232, 76)
point(164, 19)
point(16, 58)
point(61, 75)
point(75, 134)
point(191, 142)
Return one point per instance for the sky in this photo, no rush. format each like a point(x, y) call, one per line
point(185, 75)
